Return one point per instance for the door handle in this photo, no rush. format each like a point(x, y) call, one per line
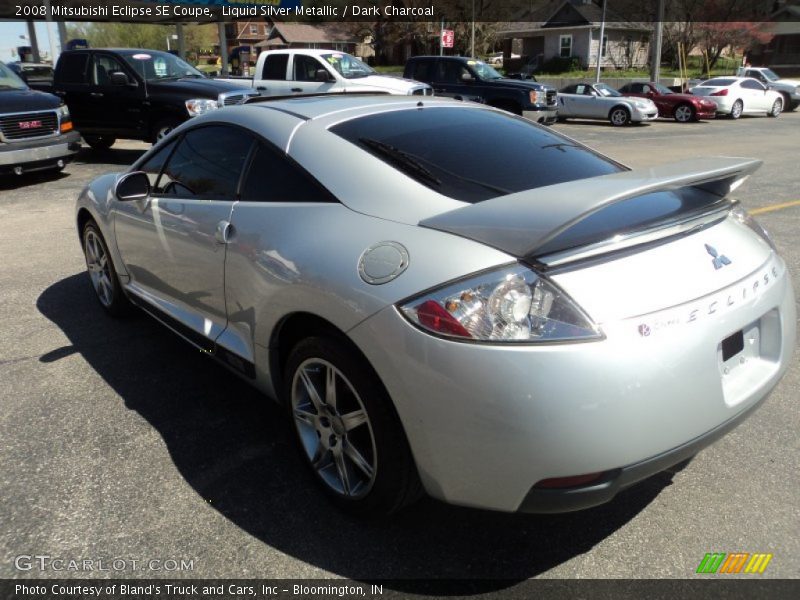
point(224, 232)
point(297, 89)
point(261, 88)
point(96, 94)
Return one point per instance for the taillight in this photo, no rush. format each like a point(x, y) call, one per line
point(512, 304)
point(720, 93)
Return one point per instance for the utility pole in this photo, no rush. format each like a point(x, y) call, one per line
point(472, 44)
point(655, 68)
point(223, 48)
point(600, 43)
point(34, 42)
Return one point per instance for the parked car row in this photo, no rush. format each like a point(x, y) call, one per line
point(144, 94)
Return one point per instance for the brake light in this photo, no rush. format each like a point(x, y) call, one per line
point(720, 93)
point(436, 318)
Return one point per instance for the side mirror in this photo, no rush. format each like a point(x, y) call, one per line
point(322, 75)
point(132, 186)
point(651, 94)
point(119, 78)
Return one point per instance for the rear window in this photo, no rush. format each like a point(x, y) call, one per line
point(472, 155)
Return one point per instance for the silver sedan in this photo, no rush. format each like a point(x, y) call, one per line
point(528, 329)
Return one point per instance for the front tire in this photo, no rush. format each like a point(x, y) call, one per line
point(619, 116)
point(347, 429)
point(684, 113)
point(163, 128)
point(99, 143)
point(777, 109)
point(736, 109)
point(101, 270)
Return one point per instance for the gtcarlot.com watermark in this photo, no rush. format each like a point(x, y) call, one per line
point(44, 562)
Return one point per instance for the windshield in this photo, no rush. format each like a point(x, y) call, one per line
point(662, 89)
point(348, 66)
point(158, 66)
point(483, 70)
point(770, 74)
point(9, 79)
point(606, 90)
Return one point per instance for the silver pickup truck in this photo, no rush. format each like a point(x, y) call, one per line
point(307, 71)
point(788, 88)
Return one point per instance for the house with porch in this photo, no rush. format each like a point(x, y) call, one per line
point(571, 28)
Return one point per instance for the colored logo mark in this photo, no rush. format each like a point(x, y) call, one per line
point(736, 562)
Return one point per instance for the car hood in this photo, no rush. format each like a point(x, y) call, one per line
point(520, 84)
point(395, 84)
point(793, 82)
point(203, 88)
point(12, 101)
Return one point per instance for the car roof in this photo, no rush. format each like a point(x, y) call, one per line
point(311, 51)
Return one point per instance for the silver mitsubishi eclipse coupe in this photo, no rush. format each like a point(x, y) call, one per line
point(451, 299)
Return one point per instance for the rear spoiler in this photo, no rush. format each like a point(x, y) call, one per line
point(524, 222)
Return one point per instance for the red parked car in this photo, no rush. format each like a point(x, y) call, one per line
point(681, 107)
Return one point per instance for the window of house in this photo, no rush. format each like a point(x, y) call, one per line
point(565, 45)
point(253, 29)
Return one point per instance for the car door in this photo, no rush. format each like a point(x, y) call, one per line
point(173, 243)
point(304, 75)
point(447, 79)
point(72, 85)
point(756, 97)
point(278, 201)
point(274, 77)
point(115, 108)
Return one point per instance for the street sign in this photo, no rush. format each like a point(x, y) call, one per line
point(448, 37)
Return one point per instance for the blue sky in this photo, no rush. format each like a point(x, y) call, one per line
point(11, 30)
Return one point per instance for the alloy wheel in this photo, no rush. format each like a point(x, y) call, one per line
point(619, 117)
point(684, 113)
point(334, 428)
point(98, 266)
point(736, 109)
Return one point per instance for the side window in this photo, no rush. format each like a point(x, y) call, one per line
point(206, 164)
point(422, 71)
point(305, 67)
point(581, 89)
point(570, 89)
point(272, 177)
point(102, 67)
point(153, 165)
point(453, 71)
point(753, 85)
point(275, 67)
point(72, 68)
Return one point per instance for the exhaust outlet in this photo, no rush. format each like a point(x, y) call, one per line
point(17, 170)
point(60, 164)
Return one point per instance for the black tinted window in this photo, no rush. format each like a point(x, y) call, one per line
point(752, 85)
point(472, 154)
point(153, 165)
point(422, 71)
point(207, 163)
point(72, 68)
point(275, 67)
point(272, 177)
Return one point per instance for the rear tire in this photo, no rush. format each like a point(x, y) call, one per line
point(105, 282)
point(347, 430)
point(777, 109)
point(99, 143)
point(736, 109)
point(684, 113)
point(619, 116)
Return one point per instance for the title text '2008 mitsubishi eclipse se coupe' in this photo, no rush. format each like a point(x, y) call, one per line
point(531, 328)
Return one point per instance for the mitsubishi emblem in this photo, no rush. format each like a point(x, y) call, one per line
point(719, 260)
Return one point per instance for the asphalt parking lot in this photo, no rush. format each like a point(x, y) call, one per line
point(120, 441)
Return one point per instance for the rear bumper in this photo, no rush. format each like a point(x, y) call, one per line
point(40, 153)
point(540, 500)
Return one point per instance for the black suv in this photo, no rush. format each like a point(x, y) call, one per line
point(471, 79)
point(136, 94)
